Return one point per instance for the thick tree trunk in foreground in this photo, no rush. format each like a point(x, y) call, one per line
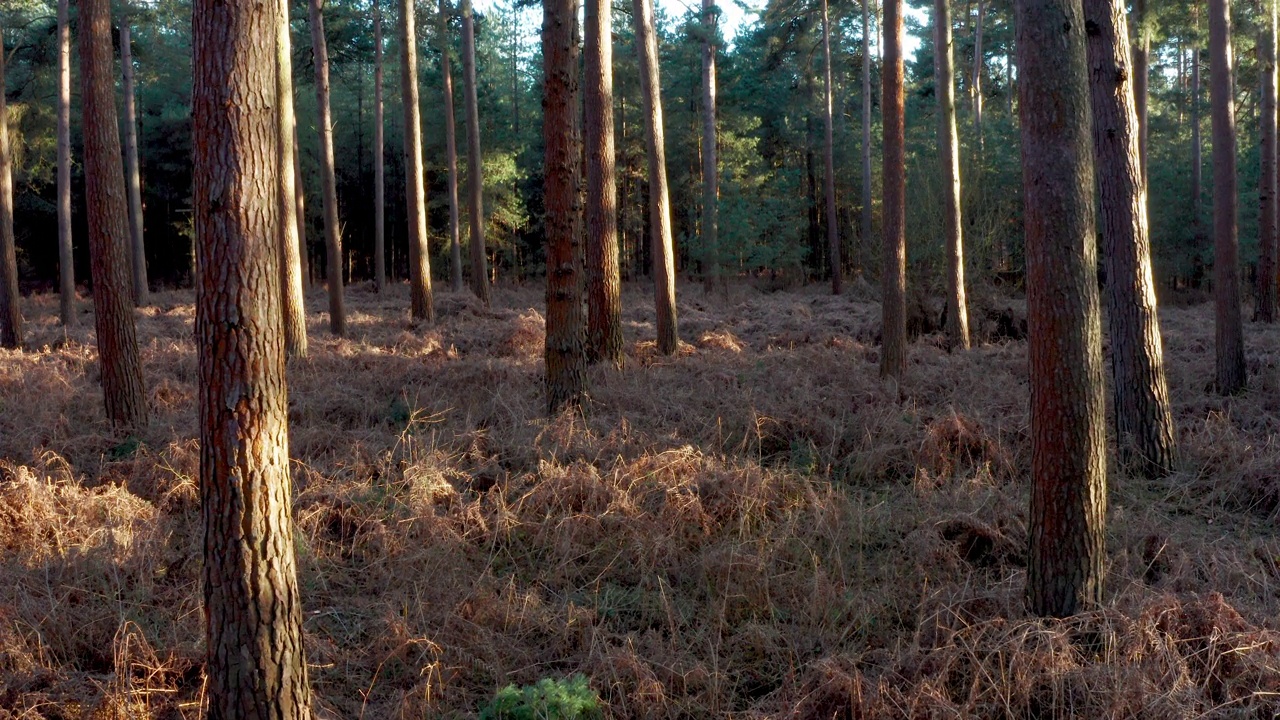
point(10, 309)
point(1068, 436)
point(379, 160)
point(66, 254)
point(1143, 420)
point(893, 351)
point(867, 199)
point(565, 354)
point(710, 163)
point(122, 388)
point(141, 290)
point(1229, 329)
point(451, 151)
point(829, 162)
point(328, 184)
point(949, 155)
point(664, 265)
point(255, 663)
point(293, 306)
point(421, 305)
point(475, 169)
point(1266, 291)
point(604, 291)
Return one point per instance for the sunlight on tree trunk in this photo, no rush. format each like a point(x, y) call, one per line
point(293, 302)
point(66, 252)
point(604, 287)
point(421, 305)
point(1229, 331)
point(328, 183)
point(475, 168)
point(949, 157)
point(710, 163)
point(133, 183)
point(893, 350)
point(451, 151)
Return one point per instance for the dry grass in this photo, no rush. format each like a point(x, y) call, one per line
point(753, 528)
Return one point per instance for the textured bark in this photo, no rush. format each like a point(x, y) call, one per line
point(10, 308)
point(828, 159)
point(710, 163)
point(300, 209)
point(66, 253)
point(1266, 290)
point(451, 151)
point(565, 354)
point(1068, 437)
point(1141, 51)
point(604, 288)
point(977, 71)
point(379, 160)
point(1145, 433)
point(893, 351)
point(949, 155)
point(122, 388)
point(328, 183)
point(255, 662)
point(293, 303)
point(664, 266)
point(867, 192)
point(1229, 330)
point(421, 306)
point(475, 171)
point(141, 290)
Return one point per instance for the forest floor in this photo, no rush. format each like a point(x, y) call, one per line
point(754, 528)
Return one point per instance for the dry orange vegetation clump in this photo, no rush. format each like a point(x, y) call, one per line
point(754, 528)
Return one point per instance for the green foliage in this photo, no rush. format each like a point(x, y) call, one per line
point(571, 699)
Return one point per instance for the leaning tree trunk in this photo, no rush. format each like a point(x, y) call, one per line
point(893, 352)
point(293, 302)
point(1066, 561)
point(141, 291)
point(379, 162)
point(1144, 422)
point(421, 306)
point(977, 72)
point(451, 151)
point(1229, 330)
point(66, 252)
point(255, 662)
point(1141, 50)
point(10, 309)
point(828, 158)
point(122, 388)
point(1266, 292)
point(710, 164)
point(475, 177)
point(664, 266)
point(328, 183)
point(604, 288)
point(867, 198)
point(565, 354)
point(949, 155)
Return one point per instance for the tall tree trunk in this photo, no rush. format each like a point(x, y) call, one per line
point(66, 253)
point(828, 158)
point(1267, 182)
point(10, 307)
point(893, 352)
point(300, 210)
point(475, 171)
point(1229, 333)
point(123, 392)
point(451, 151)
point(664, 266)
point(978, 63)
point(1144, 422)
point(604, 291)
point(867, 192)
point(328, 183)
point(1066, 562)
point(255, 662)
point(565, 355)
point(1141, 50)
point(949, 155)
point(379, 160)
point(141, 291)
point(421, 306)
point(710, 163)
point(1197, 153)
point(293, 303)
